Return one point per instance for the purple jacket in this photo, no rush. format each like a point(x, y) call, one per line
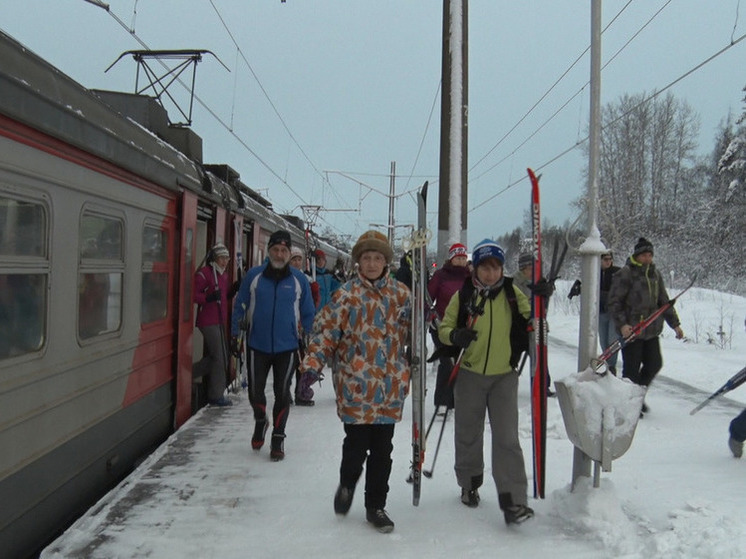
point(208, 313)
point(444, 283)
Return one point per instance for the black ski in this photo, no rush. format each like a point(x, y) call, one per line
point(733, 382)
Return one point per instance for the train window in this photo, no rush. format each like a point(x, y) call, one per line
point(23, 304)
point(24, 276)
point(24, 229)
point(154, 301)
point(100, 276)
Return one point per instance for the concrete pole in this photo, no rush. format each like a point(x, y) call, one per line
point(592, 247)
point(452, 195)
point(392, 195)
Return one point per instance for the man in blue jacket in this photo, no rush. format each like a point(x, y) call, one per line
point(273, 299)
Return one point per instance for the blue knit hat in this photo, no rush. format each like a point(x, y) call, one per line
point(487, 249)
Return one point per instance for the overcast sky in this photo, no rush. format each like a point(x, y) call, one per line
point(323, 95)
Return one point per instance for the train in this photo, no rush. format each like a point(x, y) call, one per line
point(106, 210)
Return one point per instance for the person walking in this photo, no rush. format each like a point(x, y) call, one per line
point(328, 282)
point(365, 326)
point(302, 398)
point(607, 332)
point(211, 293)
point(445, 282)
point(273, 298)
point(487, 381)
point(637, 290)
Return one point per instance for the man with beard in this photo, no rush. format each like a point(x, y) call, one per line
point(272, 299)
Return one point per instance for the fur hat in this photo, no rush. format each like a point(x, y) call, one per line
point(525, 260)
point(219, 250)
point(487, 249)
point(280, 238)
point(457, 249)
point(372, 240)
point(643, 245)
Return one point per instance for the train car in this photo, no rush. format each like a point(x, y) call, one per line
point(105, 212)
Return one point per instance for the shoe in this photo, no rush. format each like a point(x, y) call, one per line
point(645, 408)
point(516, 514)
point(380, 520)
point(470, 497)
point(550, 393)
point(277, 450)
point(343, 500)
point(220, 402)
point(303, 402)
point(736, 447)
point(260, 429)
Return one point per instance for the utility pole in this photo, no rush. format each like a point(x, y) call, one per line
point(452, 194)
point(592, 247)
point(392, 194)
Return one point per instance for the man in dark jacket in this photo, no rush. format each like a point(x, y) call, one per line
point(637, 291)
point(272, 298)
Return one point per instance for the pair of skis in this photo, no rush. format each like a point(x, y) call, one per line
point(418, 361)
point(539, 366)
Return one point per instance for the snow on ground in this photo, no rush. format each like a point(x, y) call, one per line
point(676, 493)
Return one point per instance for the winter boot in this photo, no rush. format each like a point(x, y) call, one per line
point(470, 497)
point(260, 429)
point(736, 447)
point(380, 520)
point(277, 450)
point(343, 499)
point(517, 514)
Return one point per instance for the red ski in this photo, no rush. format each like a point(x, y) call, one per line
point(539, 371)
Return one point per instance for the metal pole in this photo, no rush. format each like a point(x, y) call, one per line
point(392, 194)
point(592, 248)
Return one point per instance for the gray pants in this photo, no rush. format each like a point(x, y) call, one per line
point(212, 365)
point(497, 395)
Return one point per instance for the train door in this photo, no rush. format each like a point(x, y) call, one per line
point(185, 325)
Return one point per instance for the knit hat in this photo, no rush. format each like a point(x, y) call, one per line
point(280, 238)
point(219, 250)
point(295, 251)
point(525, 260)
point(487, 249)
point(318, 253)
point(372, 240)
point(643, 245)
point(457, 249)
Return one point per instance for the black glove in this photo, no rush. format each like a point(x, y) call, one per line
point(542, 288)
point(214, 296)
point(574, 290)
point(236, 346)
point(462, 337)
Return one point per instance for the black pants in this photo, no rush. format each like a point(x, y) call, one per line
point(443, 390)
point(642, 361)
point(738, 427)
point(283, 367)
point(370, 445)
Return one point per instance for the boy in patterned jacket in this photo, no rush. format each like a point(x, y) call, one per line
point(365, 327)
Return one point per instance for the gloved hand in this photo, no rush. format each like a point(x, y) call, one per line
point(309, 377)
point(575, 289)
point(462, 337)
point(214, 296)
point(236, 346)
point(542, 288)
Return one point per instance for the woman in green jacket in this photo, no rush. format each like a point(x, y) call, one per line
point(488, 381)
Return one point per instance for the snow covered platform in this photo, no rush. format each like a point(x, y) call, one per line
point(676, 493)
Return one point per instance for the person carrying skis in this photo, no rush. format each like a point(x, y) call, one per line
point(211, 293)
point(637, 290)
point(365, 325)
point(445, 282)
point(302, 398)
point(607, 331)
point(328, 282)
point(737, 430)
point(272, 299)
point(488, 381)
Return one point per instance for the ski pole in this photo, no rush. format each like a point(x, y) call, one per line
point(223, 350)
point(733, 382)
point(470, 325)
point(429, 473)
